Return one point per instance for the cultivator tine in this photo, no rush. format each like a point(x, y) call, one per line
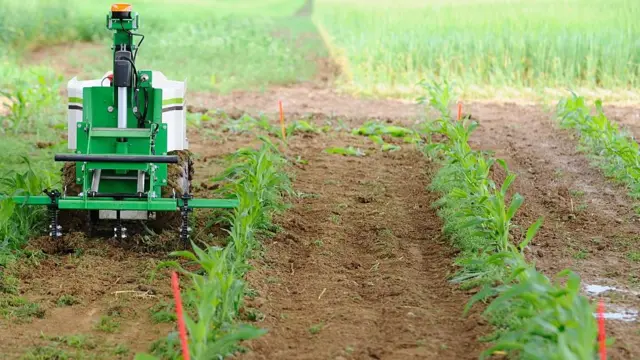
point(55, 230)
point(119, 232)
point(184, 228)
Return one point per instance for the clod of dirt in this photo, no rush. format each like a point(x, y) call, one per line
point(44, 145)
point(365, 199)
point(67, 244)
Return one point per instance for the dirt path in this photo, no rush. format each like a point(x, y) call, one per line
point(590, 225)
point(359, 270)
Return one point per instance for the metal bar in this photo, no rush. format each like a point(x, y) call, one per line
point(120, 133)
point(95, 181)
point(141, 180)
point(211, 203)
point(118, 196)
point(160, 159)
point(108, 204)
point(133, 204)
point(29, 200)
point(122, 107)
point(116, 177)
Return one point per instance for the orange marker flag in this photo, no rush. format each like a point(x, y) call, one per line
point(179, 312)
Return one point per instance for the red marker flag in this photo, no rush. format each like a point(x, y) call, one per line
point(602, 337)
point(181, 327)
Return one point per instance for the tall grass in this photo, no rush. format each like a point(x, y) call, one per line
point(484, 44)
point(537, 318)
point(215, 45)
point(34, 23)
point(217, 289)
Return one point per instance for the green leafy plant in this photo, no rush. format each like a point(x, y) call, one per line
point(537, 318)
point(348, 151)
point(610, 148)
point(216, 286)
point(29, 101)
point(18, 221)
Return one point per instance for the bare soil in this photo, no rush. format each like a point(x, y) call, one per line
point(360, 269)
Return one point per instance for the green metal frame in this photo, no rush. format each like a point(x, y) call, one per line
point(98, 134)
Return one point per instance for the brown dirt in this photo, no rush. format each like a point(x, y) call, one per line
point(105, 280)
point(590, 225)
point(360, 269)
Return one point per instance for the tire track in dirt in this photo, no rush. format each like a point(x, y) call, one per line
point(590, 224)
point(360, 269)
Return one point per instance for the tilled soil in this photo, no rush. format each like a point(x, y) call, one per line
point(590, 225)
point(360, 269)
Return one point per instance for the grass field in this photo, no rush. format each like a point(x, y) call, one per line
point(366, 227)
point(220, 46)
point(488, 48)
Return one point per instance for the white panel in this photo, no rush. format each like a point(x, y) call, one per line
point(176, 120)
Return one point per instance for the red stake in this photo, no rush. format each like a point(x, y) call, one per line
point(602, 337)
point(181, 327)
point(459, 110)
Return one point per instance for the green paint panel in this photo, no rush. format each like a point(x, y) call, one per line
point(29, 200)
point(109, 204)
point(212, 203)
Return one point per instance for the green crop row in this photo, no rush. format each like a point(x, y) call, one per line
point(217, 287)
point(487, 47)
point(612, 149)
point(536, 317)
point(18, 221)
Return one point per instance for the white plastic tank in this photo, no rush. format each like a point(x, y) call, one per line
point(174, 111)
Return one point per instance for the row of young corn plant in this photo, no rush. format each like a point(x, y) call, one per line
point(217, 287)
point(18, 221)
point(612, 149)
point(535, 317)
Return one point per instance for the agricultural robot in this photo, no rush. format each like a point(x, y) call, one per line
point(129, 157)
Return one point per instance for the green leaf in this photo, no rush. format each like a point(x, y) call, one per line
point(516, 202)
point(144, 356)
point(531, 232)
point(390, 147)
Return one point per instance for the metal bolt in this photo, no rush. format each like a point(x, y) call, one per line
point(135, 109)
point(144, 77)
point(79, 125)
point(110, 109)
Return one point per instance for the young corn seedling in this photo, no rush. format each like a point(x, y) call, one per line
point(538, 319)
point(348, 151)
point(615, 151)
point(217, 289)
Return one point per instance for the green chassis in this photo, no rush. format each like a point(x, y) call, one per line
point(119, 151)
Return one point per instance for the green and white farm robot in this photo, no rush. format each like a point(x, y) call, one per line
point(129, 157)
